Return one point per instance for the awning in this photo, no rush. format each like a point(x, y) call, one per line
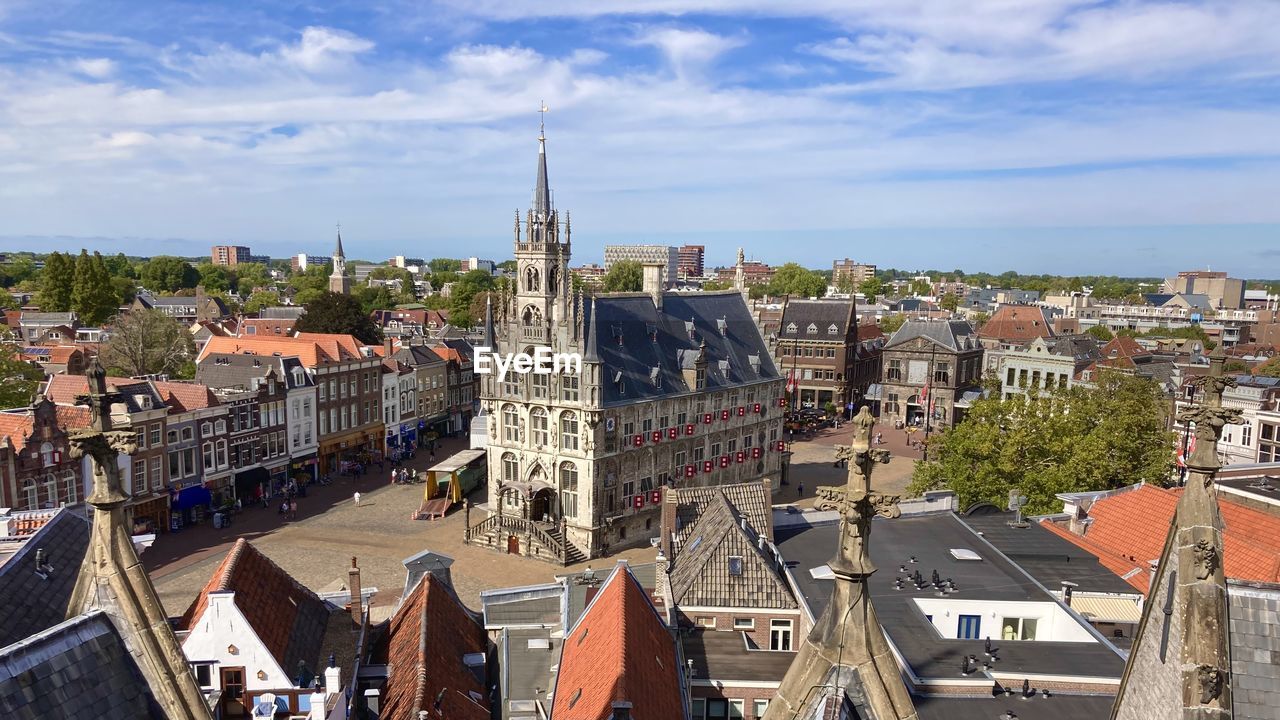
point(873, 392)
point(1107, 608)
point(246, 480)
point(194, 496)
point(457, 461)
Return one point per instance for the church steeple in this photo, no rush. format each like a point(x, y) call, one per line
point(542, 260)
point(542, 188)
point(338, 280)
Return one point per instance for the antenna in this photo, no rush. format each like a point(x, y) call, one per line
point(1017, 501)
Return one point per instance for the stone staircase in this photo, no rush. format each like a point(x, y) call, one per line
point(543, 541)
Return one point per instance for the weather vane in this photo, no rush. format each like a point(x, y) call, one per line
point(542, 117)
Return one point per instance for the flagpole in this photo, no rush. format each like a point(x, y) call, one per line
point(928, 401)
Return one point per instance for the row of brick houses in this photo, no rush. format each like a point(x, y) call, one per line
point(262, 412)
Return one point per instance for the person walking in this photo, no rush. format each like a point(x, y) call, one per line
point(800, 489)
point(293, 509)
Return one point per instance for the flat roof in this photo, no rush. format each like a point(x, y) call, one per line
point(930, 538)
point(457, 461)
point(1048, 558)
point(1262, 487)
point(1054, 707)
point(726, 657)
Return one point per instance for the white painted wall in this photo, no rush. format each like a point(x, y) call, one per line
point(222, 625)
point(1052, 622)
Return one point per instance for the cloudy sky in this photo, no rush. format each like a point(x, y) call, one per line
point(1077, 136)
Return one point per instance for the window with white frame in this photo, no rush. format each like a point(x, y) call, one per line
point(744, 623)
point(510, 468)
point(569, 490)
point(73, 492)
point(510, 423)
point(568, 431)
point(780, 634)
point(569, 387)
point(538, 422)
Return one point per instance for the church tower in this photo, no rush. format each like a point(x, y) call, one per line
point(541, 292)
point(338, 280)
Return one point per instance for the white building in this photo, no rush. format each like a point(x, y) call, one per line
point(667, 256)
point(399, 404)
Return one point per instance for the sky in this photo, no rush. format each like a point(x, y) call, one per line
point(1063, 136)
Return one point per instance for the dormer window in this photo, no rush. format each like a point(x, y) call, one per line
point(655, 376)
point(722, 325)
point(791, 327)
point(833, 329)
point(812, 329)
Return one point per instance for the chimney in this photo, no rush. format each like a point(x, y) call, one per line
point(353, 583)
point(387, 350)
point(653, 283)
point(621, 710)
point(332, 680)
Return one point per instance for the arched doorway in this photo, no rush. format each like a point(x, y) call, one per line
point(541, 505)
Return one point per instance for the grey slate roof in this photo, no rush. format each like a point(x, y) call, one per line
point(28, 603)
point(76, 670)
point(1255, 650)
point(282, 312)
point(632, 338)
point(422, 563)
point(956, 335)
point(750, 500)
point(232, 370)
point(820, 313)
point(1081, 347)
point(47, 318)
point(724, 566)
point(417, 356)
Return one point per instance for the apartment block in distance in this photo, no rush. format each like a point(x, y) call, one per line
point(664, 255)
point(856, 273)
point(689, 261)
point(230, 255)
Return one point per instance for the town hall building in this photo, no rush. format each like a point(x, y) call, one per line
point(674, 389)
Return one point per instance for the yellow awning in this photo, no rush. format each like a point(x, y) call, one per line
point(1104, 608)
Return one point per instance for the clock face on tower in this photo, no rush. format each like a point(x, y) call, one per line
point(609, 424)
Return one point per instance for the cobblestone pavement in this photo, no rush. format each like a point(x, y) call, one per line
point(317, 547)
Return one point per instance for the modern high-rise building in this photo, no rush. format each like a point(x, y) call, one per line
point(230, 255)
point(1222, 292)
point(689, 261)
point(665, 255)
point(857, 273)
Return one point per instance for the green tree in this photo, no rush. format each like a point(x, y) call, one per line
point(1070, 440)
point(145, 342)
point(624, 276)
point(21, 269)
point(249, 277)
point(1270, 368)
point(336, 313)
point(374, 297)
point(261, 299)
point(1101, 332)
point(57, 283)
point(93, 296)
point(445, 265)
point(119, 266)
point(507, 265)
point(949, 302)
point(871, 288)
point(711, 285)
point(889, 324)
point(19, 379)
point(793, 279)
point(1236, 367)
point(979, 319)
point(921, 288)
point(463, 291)
point(214, 277)
point(165, 273)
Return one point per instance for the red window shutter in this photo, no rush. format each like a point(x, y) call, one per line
point(782, 445)
point(756, 452)
point(638, 440)
point(757, 408)
point(742, 456)
point(656, 435)
point(637, 501)
point(688, 429)
point(673, 433)
point(707, 466)
point(742, 410)
point(655, 496)
point(706, 418)
point(690, 470)
point(724, 461)
point(724, 414)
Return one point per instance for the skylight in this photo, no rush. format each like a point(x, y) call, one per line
point(965, 554)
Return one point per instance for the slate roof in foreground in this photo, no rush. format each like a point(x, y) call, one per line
point(29, 603)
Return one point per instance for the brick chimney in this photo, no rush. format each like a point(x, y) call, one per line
point(387, 349)
point(353, 583)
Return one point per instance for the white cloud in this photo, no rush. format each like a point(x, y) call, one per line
point(97, 68)
point(687, 50)
point(322, 48)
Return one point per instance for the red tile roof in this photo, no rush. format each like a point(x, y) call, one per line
point(16, 426)
point(1016, 323)
point(64, 389)
point(426, 641)
point(262, 327)
point(619, 650)
point(1120, 351)
point(1129, 529)
point(273, 603)
point(184, 397)
point(73, 417)
point(311, 348)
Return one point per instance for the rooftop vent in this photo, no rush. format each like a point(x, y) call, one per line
point(655, 376)
point(965, 554)
point(722, 325)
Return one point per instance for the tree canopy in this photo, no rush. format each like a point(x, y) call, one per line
point(794, 279)
point(463, 292)
point(1270, 368)
point(1070, 440)
point(19, 380)
point(624, 276)
point(57, 282)
point(333, 312)
point(444, 265)
point(145, 342)
point(93, 296)
point(1101, 332)
point(871, 288)
point(165, 273)
point(889, 324)
point(949, 302)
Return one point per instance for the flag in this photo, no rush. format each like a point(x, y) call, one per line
point(1185, 450)
point(924, 393)
point(791, 381)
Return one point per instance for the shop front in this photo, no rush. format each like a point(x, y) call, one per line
point(304, 469)
point(189, 504)
point(150, 513)
point(252, 484)
point(279, 473)
point(359, 446)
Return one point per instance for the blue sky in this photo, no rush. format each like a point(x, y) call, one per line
point(1042, 135)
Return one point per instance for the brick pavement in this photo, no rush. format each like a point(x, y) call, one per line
point(317, 547)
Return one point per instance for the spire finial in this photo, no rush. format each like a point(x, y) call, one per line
point(542, 118)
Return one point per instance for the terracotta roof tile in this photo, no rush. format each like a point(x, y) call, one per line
point(262, 327)
point(619, 650)
point(1129, 530)
point(185, 397)
point(64, 389)
point(288, 619)
point(15, 426)
point(1016, 323)
point(310, 352)
point(426, 641)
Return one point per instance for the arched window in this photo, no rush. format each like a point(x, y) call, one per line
point(186, 434)
point(531, 279)
point(568, 431)
point(220, 427)
point(206, 429)
point(553, 280)
point(46, 454)
point(31, 495)
point(510, 423)
point(510, 468)
point(568, 489)
point(538, 419)
point(73, 490)
point(532, 316)
point(208, 455)
point(51, 490)
point(222, 453)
